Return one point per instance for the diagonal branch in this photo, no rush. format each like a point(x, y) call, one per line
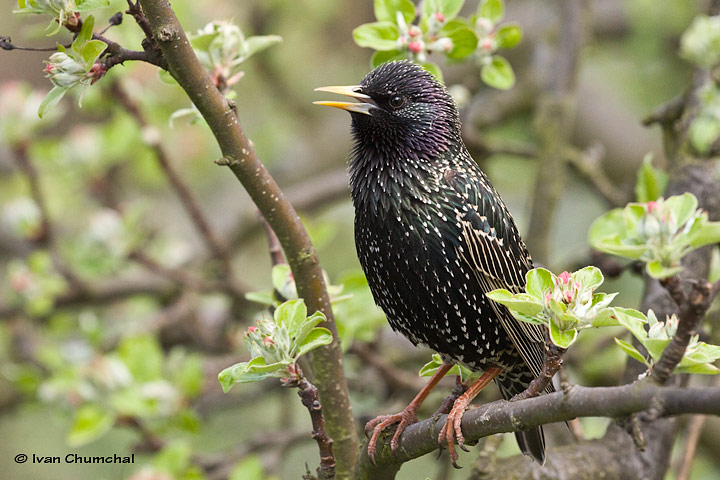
point(240, 157)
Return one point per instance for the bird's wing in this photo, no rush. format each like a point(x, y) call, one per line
point(491, 246)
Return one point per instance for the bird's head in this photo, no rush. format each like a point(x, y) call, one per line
point(401, 110)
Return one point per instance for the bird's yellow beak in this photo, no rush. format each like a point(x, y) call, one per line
point(363, 106)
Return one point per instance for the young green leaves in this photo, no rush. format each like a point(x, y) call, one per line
point(276, 344)
point(564, 303)
point(658, 233)
point(68, 68)
point(439, 30)
point(698, 356)
point(64, 12)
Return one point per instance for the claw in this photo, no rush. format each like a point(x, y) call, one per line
point(378, 424)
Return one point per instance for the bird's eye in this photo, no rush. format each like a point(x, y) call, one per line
point(396, 102)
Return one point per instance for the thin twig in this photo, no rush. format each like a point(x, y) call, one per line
point(692, 309)
point(551, 364)
point(274, 247)
point(309, 395)
point(694, 430)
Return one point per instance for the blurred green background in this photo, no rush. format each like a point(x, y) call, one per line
point(92, 158)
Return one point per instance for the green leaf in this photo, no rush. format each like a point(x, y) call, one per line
point(562, 338)
point(378, 35)
point(655, 346)
point(434, 69)
point(707, 234)
point(379, 57)
point(385, 10)
point(238, 374)
point(714, 270)
point(307, 326)
point(91, 51)
point(520, 302)
point(83, 6)
point(90, 423)
point(588, 277)
point(632, 351)
point(498, 74)
point(538, 282)
point(651, 181)
point(259, 43)
point(699, 368)
point(317, 337)
point(683, 206)
point(291, 314)
point(85, 35)
point(258, 365)
point(264, 297)
point(493, 10)
point(51, 99)
point(143, 356)
point(464, 41)
point(431, 367)
point(658, 271)
point(632, 320)
point(283, 281)
point(508, 36)
point(605, 318)
point(449, 8)
point(534, 320)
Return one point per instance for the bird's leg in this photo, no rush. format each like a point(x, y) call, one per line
point(452, 428)
point(403, 419)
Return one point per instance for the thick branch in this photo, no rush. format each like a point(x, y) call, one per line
point(576, 401)
point(241, 158)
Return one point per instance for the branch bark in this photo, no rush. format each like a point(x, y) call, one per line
point(576, 401)
point(240, 157)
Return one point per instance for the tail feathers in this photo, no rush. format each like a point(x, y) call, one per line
point(532, 444)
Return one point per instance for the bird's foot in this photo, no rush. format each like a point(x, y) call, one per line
point(452, 429)
point(378, 424)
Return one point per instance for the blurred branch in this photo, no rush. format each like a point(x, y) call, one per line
point(575, 401)
point(212, 239)
point(46, 237)
point(240, 157)
point(316, 192)
point(394, 377)
point(693, 434)
point(104, 292)
point(588, 163)
point(554, 118)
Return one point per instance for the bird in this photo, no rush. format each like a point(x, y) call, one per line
point(433, 237)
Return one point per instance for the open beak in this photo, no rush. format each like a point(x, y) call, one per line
point(364, 105)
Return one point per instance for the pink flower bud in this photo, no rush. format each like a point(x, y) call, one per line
point(49, 68)
point(415, 31)
point(548, 297)
point(251, 330)
point(564, 278)
point(268, 341)
point(651, 206)
point(415, 46)
point(568, 297)
point(440, 17)
point(487, 44)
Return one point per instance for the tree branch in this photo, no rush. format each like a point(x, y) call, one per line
point(241, 158)
point(576, 401)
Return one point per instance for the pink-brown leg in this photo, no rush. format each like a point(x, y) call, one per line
point(403, 419)
point(453, 426)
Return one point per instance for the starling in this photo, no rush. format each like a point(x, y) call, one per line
point(433, 237)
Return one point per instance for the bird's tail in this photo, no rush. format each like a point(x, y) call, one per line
point(531, 442)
